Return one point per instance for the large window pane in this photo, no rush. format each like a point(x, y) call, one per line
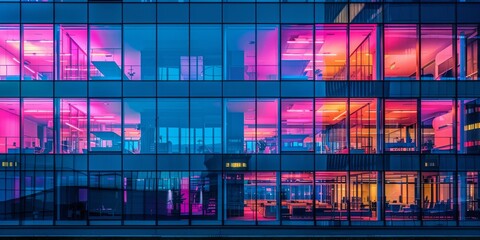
point(297, 194)
point(139, 197)
point(105, 125)
point(105, 52)
point(400, 125)
point(402, 196)
point(331, 196)
point(437, 61)
point(38, 52)
point(297, 52)
point(139, 125)
point(438, 191)
point(240, 53)
point(467, 52)
point(364, 126)
point(173, 197)
point(206, 52)
point(73, 52)
point(173, 50)
point(297, 125)
point(363, 45)
point(37, 130)
point(173, 126)
point(267, 52)
point(267, 131)
point(330, 125)
point(205, 126)
point(105, 196)
point(9, 52)
point(139, 52)
point(10, 125)
point(72, 192)
point(240, 197)
point(330, 52)
point(73, 122)
point(437, 126)
point(240, 126)
point(401, 57)
point(363, 196)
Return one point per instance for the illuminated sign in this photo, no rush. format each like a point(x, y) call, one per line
point(236, 165)
point(9, 164)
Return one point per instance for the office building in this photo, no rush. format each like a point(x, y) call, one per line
point(261, 117)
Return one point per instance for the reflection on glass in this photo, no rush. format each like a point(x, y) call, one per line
point(400, 125)
point(297, 125)
point(10, 52)
point(330, 125)
point(105, 52)
point(10, 125)
point(37, 130)
point(105, 125)
point(139, 125)
point(402, 196)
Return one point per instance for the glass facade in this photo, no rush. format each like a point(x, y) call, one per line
point(306, 113)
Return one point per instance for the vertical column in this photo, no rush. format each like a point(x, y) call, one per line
point(461, 126)
point(462, 195)
point(379, 125)
point(220, 185)
point(380, 196)
point(462, 57)
point(378, 63)
point(279, 195)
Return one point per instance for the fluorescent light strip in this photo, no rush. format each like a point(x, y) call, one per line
point(76, 128)
point(337, 117)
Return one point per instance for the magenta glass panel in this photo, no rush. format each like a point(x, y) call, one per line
point(402, 196)
point(297, 125)
point(363, 196)
point(363, 47)
point(400, 125)
point(173, 196)
point(105, 52)
point(9, 52)
point(73, 132)
point(37, 122)
point(105, 125)
point(330, 195)
point(267, 52)
point(73, 52)
point(297, 52)
point(401, 56)
point(267, 128)
point(437, 62)
point(330, 125)
point(38, 52)
point(437, 126)
point(330, 52)
point(10, 125)
point(364, 126)
point(467, 52)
